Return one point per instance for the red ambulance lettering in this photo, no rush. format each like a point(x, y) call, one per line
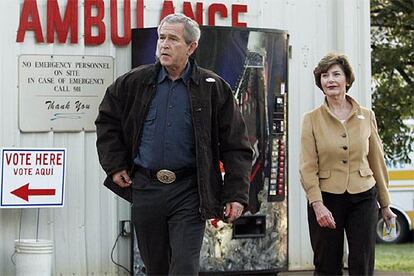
point(116, 39)
point(61, 27)
point(188, 10)
point(29, 10)
point(235, 11)
point(213, 9)
point(94, 23)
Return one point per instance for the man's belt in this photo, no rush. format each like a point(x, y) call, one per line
point(167, 176)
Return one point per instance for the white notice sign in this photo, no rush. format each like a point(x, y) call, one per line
point(62, 93)
point(32, 178)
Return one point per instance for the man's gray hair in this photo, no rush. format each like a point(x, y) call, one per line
point(191, 29)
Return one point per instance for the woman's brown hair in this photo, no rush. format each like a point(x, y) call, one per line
point(334, 59)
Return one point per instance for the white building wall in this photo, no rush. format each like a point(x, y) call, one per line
point(85, 229)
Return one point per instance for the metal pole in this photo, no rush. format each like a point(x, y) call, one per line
point(37, 225)
point(20, 223)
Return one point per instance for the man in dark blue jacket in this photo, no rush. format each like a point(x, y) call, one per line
point(162, 131)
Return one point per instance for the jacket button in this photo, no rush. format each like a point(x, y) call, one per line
point(344, 161)
point(345, 147)
point(343, 135)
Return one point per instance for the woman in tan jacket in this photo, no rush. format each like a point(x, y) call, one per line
point(343, 173)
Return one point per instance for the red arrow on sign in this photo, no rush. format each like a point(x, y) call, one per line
point(24, 192)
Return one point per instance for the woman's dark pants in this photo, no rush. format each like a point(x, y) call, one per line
point(357, 214)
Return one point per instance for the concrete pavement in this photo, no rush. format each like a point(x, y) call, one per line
point(309, 273)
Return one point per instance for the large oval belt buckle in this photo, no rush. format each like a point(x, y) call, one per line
point(166, 176)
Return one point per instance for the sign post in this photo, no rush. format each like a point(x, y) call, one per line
point(32, 178)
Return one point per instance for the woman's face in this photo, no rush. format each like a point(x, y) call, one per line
point(333, 81)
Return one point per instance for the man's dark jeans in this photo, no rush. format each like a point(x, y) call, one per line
point(168, 225)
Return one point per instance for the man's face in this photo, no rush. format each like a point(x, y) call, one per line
point(172, 50)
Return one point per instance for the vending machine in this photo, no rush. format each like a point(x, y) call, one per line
point(254, 62)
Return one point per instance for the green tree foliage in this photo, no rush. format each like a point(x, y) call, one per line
point(392, 43)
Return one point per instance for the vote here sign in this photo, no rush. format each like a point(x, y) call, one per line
point(32, 178)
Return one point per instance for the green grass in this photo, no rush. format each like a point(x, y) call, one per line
point(395, 257)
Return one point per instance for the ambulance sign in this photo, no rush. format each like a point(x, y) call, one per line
point(32, 178)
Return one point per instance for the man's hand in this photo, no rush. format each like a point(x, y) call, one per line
point(233, 211)
point(122, 179)
point(323, 215)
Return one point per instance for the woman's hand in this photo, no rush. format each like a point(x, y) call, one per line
point(387, 214)
point(323, 215)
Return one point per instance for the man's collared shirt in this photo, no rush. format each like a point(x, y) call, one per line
point(168, 138)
